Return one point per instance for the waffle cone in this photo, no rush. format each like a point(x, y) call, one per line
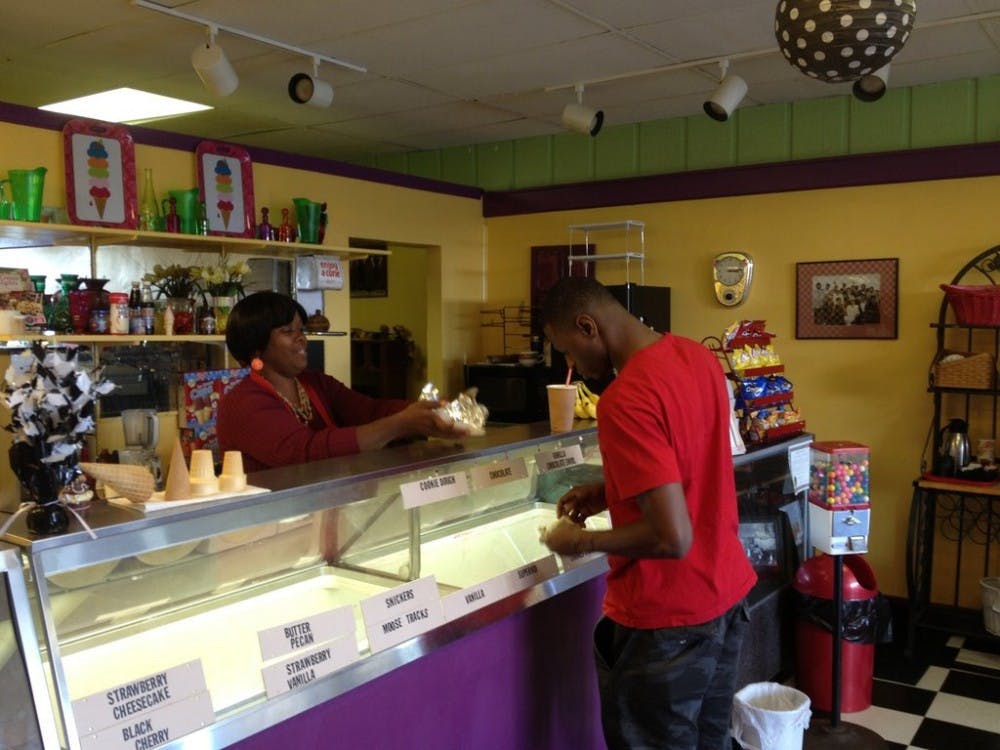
point(178, 485)
point(134, 482)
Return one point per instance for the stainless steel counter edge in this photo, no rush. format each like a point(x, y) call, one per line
point(294, 490)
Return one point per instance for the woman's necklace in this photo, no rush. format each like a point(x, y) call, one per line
point(304, 411)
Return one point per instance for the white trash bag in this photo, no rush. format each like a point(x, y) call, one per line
point(769, 716)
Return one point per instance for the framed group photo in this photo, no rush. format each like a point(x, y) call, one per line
point(847, 299)
point(761, 540)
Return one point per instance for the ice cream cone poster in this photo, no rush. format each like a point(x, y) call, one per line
point(100, 174)
point(225, 179)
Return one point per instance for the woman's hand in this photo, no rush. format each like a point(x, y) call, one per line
point(426, 418)
point(582, 502)
point(419, 419)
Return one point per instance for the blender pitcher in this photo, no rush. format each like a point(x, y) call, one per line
point(142, 428)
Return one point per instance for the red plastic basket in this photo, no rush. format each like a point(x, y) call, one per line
point(974, 305)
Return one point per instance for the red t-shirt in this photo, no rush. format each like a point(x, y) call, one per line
point(255, 421)
point(665, 419)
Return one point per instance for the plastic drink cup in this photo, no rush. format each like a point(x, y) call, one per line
point(562, 399)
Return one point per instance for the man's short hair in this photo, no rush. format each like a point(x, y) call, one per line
point(572, 296)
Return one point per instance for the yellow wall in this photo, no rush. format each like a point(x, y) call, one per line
point(870, 391)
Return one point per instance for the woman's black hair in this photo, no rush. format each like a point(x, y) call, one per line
point(251, 321)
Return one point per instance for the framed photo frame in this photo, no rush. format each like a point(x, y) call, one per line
point(225, 184)
point(847, 299)
point(99, 158)
point(762, 541)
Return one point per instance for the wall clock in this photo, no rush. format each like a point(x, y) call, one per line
point(732, 273)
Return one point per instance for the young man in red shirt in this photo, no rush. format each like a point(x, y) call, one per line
point(674, 617)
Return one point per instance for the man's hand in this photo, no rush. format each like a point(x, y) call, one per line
point(582, 502)
point(566, 538)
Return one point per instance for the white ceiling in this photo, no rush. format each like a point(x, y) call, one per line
point(443, 72)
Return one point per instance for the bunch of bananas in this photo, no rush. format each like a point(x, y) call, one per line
point(586, 402)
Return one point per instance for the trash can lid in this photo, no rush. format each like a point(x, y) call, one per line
point(815, 577)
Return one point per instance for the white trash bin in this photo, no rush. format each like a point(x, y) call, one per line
point(769, 716)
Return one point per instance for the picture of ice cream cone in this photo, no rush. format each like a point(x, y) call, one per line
point(226, 213)
point(98, 176)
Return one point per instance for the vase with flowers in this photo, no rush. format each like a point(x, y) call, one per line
point(175, 287)
point(221, 286)
point(51, 401)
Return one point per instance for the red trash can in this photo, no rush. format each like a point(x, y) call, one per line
point(814, 643)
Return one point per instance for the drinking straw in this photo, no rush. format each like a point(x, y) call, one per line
point(569, 375)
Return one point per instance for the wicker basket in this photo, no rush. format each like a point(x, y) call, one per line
point(974, 305)
point(972, 371)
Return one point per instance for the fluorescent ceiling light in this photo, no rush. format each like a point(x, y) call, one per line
point(125, 105)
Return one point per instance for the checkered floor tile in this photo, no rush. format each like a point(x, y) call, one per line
point(946, 698)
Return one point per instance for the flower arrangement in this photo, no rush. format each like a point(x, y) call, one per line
point(174, 280)
point(224, 279)
point(51, 402)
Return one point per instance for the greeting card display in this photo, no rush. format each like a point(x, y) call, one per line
point(100, 174)
point(225, 182)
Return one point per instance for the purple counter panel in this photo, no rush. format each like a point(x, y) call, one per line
point(527, 681)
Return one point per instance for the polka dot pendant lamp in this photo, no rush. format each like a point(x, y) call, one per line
point(842, 40)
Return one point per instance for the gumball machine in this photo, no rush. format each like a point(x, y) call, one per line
point(839, 501)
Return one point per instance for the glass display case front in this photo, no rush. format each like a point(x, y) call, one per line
point(241, 606)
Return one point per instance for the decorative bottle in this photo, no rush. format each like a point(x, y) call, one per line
point(149, 209)
point(171, 221)
point(264, 230)
point(285, 230)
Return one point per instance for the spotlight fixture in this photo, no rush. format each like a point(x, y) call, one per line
point(309, 89)
point(581, 119)
point(213, 68)
point(871, 87)
point(727, 96)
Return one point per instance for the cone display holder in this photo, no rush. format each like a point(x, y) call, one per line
point(827, 732)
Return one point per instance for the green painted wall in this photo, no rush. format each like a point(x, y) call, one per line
point(940, 114)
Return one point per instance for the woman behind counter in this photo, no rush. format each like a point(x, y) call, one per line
point(284, 414)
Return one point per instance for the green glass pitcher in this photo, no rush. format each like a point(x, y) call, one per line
point(26, 188)
point(187, 209)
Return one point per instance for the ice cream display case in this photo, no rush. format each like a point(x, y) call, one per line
point(215, 621)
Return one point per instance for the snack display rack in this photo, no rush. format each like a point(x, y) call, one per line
point(759, 383)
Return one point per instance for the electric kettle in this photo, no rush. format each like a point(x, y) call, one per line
point(954, 447)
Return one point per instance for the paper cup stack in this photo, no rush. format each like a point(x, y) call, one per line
point(232, 478)
point(202, 473)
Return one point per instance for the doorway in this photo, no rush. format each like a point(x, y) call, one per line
point(389, 320)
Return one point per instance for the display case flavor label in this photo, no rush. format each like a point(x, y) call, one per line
point(401, 613)
point(560, 458)
point(500, 472)
point(307, 632)
point(306, 667)
point(494, 589)
point(154, 728)
point(434, 489)
point(136, 698)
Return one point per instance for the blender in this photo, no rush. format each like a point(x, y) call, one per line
point(142, 431)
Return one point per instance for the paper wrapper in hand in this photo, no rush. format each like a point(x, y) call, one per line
point(464, 411)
